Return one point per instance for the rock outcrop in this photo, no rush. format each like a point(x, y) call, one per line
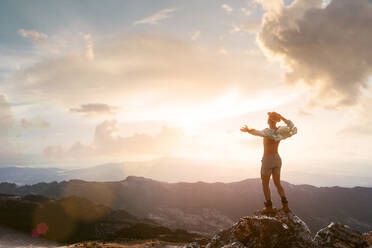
point(284, 230)
point(261, 231)
point(368, 237)
point(337, 235)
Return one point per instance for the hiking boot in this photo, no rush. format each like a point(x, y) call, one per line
point(268, 209)
point(285, 207)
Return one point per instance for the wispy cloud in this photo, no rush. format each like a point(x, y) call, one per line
point(157, 17)
point(89, 52)
point(251, 27)
point(6, 116)
point(107, 142)
point(235, 29)
point(8, 149)
point(122, 70)
point(227, 8)
point(246, 12)
point(37, 38)
point(270, 5)
point(95, 109)
point(34, 123)
point(195, 35)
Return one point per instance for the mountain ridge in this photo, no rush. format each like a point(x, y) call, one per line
point(208, 207)
point(171, 170)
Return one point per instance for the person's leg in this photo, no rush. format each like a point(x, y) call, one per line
point(265, 178)
point(265, 186)
point(266, 189)
point(279, 187)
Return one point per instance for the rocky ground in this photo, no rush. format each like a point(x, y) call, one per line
point(279, 230)
point(133, 244)
point(285, 230)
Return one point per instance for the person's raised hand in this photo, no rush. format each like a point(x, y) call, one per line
point(281, 117)
point(245, 129)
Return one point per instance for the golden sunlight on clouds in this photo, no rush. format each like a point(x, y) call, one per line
point(310, 40)
point(177, 78)
point(232, 103)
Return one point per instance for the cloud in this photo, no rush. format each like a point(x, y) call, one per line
point(227, 8)
point(57, 44)
point(223, 51)
point(304, 112)
point(13, 148)
point(107, 142)
point(8, 149)
point(157, 17)
point(37, 38)
point(326, 48)
point(271, 5)
point(361, 122)
point(34, 123)
point(95, 109)
point(6, 116)
point(246, 12)
point(195, 35)
point(123, 74)
point(251, 27)
point(235, 29)
point(89, 52)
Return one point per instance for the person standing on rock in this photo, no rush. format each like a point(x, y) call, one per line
point(271, 161)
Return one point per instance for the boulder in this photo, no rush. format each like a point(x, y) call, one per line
point(279, 230)
point(337, 235)
point(368, 237)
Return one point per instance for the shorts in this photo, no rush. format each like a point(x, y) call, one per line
point(271, 164)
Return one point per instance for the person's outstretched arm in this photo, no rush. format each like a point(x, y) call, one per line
point(252, 131)
point(274, 135)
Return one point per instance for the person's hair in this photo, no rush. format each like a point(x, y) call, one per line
point(273, 116)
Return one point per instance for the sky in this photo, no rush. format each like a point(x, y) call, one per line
point(91, 82)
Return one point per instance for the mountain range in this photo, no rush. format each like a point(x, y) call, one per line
point(172, 170)
point(210, 207)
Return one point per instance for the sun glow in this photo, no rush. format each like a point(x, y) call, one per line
point(230, 104)
point(194, 116)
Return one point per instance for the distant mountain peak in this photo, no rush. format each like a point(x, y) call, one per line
point(136, 178)
point(139, 179)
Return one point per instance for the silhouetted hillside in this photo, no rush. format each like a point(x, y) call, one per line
point(75, 219)
point(209, 207)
